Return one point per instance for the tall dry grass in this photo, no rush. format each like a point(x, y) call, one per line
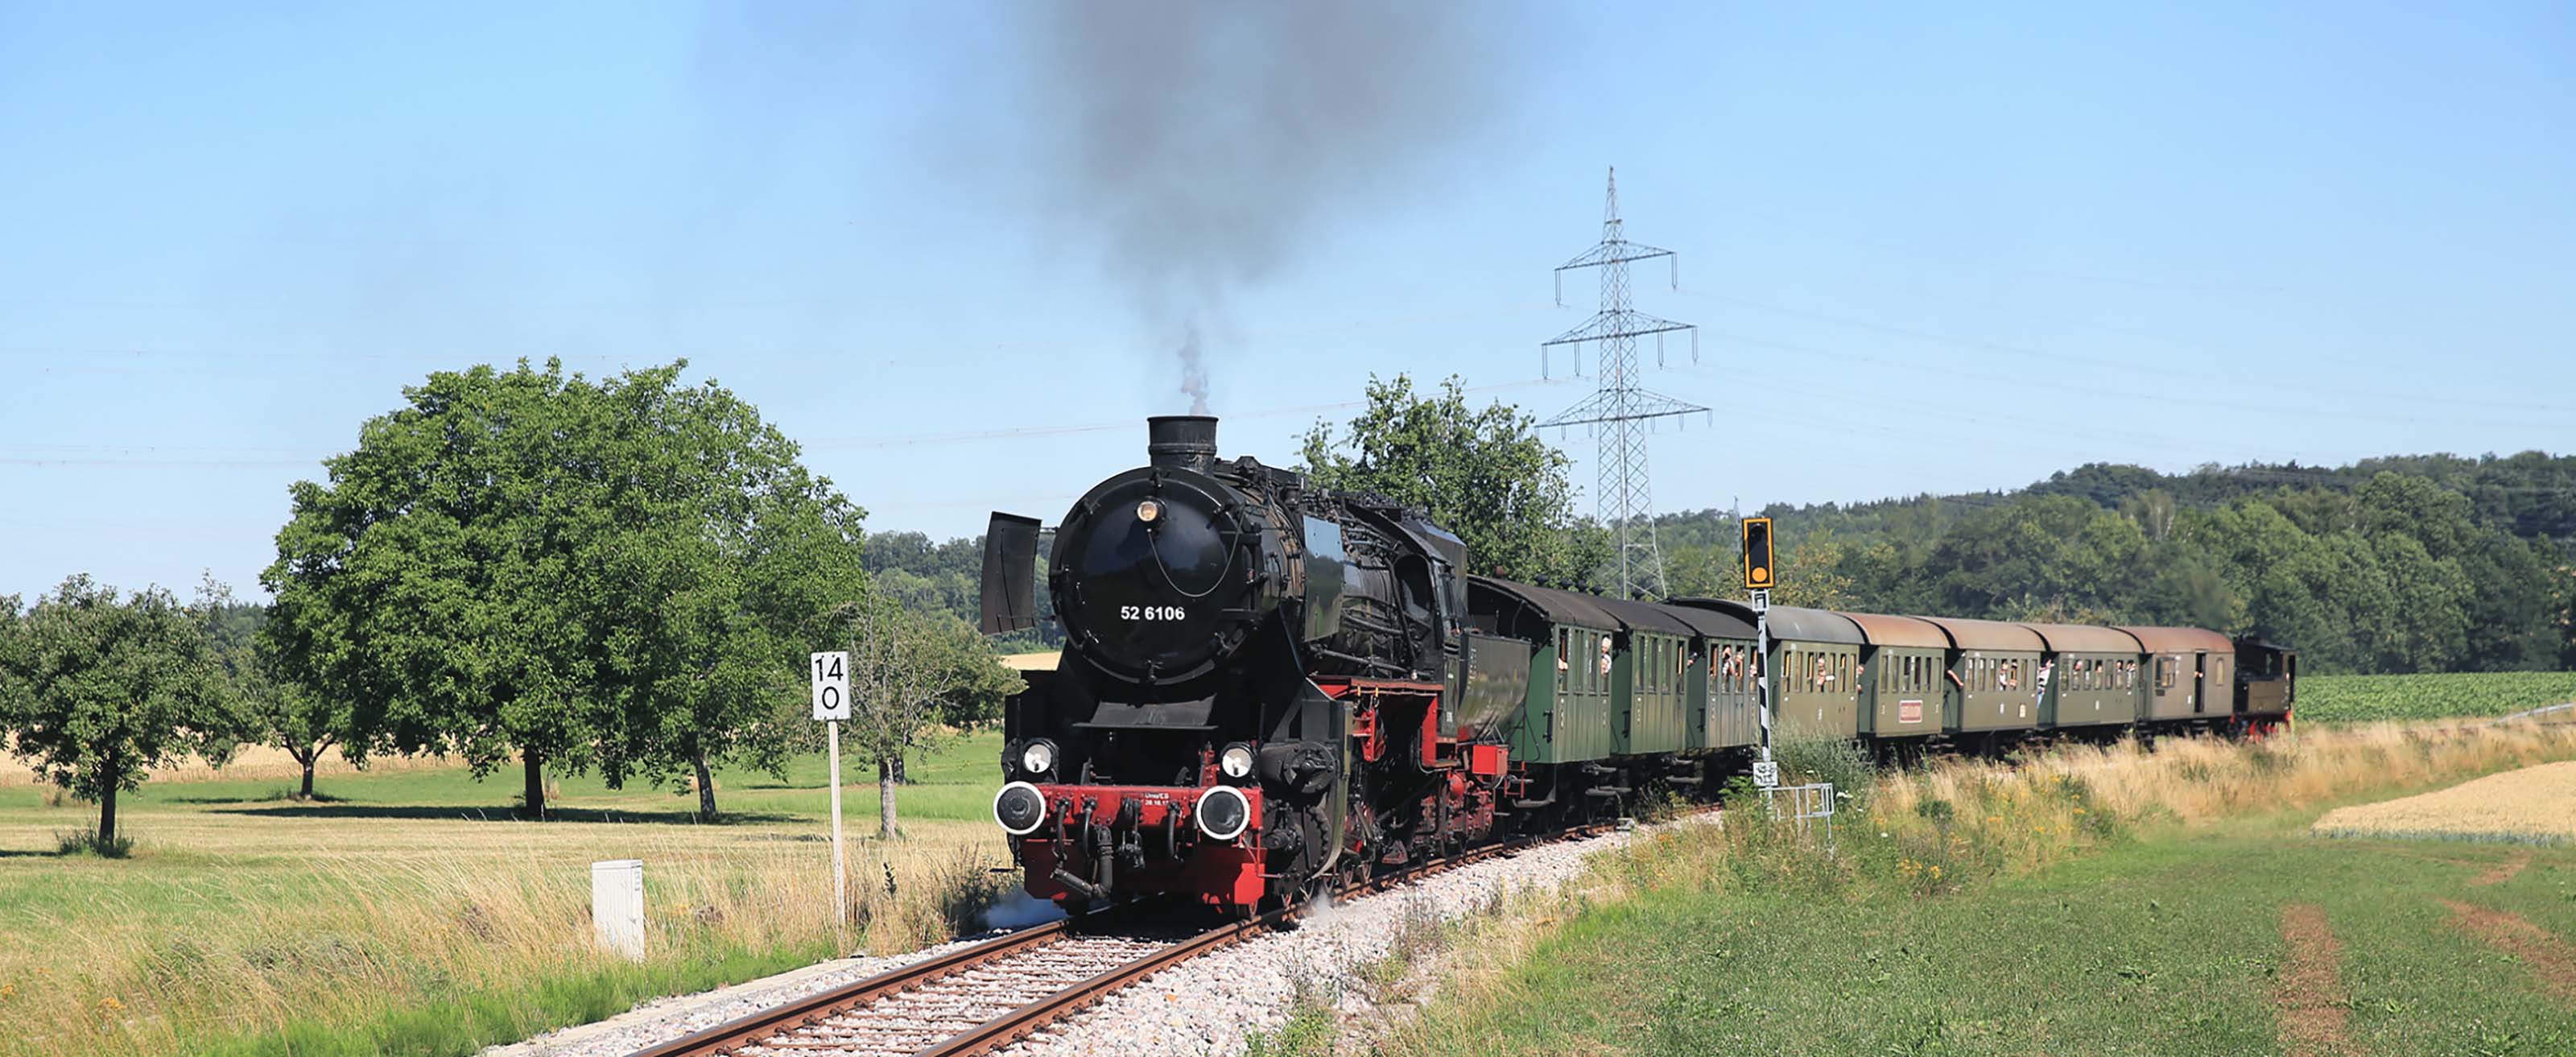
point(361, 937)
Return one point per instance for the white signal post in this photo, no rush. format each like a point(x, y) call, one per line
point(831, 672)
point(1766, 772)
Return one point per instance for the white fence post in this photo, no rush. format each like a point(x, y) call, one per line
point(617, 905)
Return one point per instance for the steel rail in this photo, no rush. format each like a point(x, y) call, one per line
point(732, 1034)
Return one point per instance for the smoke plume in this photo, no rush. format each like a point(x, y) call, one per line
point(1193, 371)
point(1197, 147)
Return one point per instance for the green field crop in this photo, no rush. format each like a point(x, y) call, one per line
point(2438, 695)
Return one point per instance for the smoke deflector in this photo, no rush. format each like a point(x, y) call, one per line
point(1010, 573)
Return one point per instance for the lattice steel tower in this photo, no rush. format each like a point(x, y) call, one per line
point(1620, 413)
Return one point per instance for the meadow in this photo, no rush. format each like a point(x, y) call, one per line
point(410, 913)
point(2431, 695)
point(2088, 900)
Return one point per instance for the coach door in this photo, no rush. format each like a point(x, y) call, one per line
point(2216, 696)
point(1731, 719)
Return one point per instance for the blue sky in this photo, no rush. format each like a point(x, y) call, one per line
point(1929, 249)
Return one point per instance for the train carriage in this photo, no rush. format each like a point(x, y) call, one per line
point(1900, 683)
point(1993, 672)
point(1815, 666)
point(2189, 673)
point(1568, 712)
point(1648, 666)
point(1718, 691)
point(2089, 675)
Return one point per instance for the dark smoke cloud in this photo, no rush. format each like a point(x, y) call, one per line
point(1196, 146)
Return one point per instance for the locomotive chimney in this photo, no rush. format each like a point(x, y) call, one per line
point(1184, 441)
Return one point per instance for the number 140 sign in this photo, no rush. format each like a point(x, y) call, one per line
point(832, 685)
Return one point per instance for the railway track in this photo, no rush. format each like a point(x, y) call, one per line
point(981, 999)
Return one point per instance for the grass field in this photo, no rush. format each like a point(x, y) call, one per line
point(2077, 909)
point(2437, 695)
point(412, 914)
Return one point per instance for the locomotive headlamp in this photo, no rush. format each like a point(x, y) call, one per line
point(1039, 757)
point(1148, 510)
point(1223, 812)
point(1019, 808)
point(1235, 761)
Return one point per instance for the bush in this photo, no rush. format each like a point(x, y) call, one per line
point(86, 842)
point(1834, 760)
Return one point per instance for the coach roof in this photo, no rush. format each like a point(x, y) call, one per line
point(2086, 638)
point(1714, 623)
point(1969, 634)
point(1641, 616)
point(1562, 607)
point(1885, 630)
point(2179, 640)
point(1791, 623)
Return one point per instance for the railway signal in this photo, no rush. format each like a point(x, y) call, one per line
point(1757, 554)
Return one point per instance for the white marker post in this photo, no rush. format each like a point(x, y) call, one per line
point(831, 706)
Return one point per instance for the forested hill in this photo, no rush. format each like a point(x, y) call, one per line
point(2408, 563)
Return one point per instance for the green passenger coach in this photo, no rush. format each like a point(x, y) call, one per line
point(1901, 683)
point(2089, 676)
point(1718, 688)
point(1567, 715)
point(1649, 668)
point(1994, 675)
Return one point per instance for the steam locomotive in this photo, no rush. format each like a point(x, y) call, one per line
point(1267, 686)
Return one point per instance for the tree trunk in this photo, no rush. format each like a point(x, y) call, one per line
point(107, 815)
point(536, 794)
point(900, 778)
point(885, 799)
point(706, 787)
point(307, 793)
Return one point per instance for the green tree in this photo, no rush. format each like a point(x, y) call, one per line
point(913, 677)
point(721, 568)
point(105, 689)
point(585, 574)
point(273, 711)
point(1483, 474)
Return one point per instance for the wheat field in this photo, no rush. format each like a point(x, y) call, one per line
point(2533, 805)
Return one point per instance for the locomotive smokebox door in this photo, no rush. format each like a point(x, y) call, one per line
point(1010, 573)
